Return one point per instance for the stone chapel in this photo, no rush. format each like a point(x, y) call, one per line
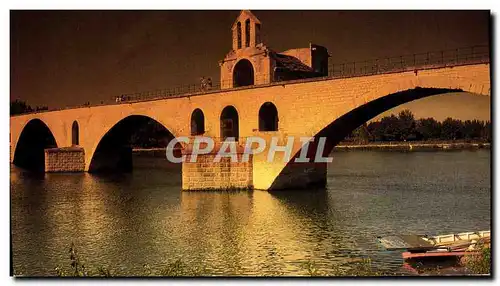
point(251, 62)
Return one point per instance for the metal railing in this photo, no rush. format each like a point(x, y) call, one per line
point(411, 62)
point(188, 89)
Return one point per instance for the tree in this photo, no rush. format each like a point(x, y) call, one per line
point(406, 122)
point(486, 132)
point(472, 129)
point(19, 107)
point(150, 135)
point(375, 131)
point(361, 134)
point(390, 127)
point(451, 129)
point(405, 127)
point(428, 128)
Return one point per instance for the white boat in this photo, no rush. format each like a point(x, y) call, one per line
point(421, 243)
point(456, 239)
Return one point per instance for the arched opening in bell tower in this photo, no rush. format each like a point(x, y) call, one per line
point(243, 74)
point(247, 33)
point(238, 31)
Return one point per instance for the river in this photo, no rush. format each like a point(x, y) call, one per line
point(126, 221)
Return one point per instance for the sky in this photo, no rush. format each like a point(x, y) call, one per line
point(64, 58)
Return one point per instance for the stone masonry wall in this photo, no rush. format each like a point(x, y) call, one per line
point(71, 159)
point(205, 174)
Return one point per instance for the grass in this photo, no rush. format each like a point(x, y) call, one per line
point(78, 269)
point(478, 262)
point(359, 267)
point(178, 268)
point(475, 263)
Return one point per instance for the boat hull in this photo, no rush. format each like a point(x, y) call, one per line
point(433, 255)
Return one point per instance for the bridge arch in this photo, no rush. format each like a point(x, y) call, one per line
point(75, 134)
point(114, 150)
point(338, 128)
point(197, 122)
point(35, 137)
point(229, 123)
point(268, 117)
point(243, 73)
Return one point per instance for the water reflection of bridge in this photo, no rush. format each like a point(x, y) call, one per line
point(262, 232)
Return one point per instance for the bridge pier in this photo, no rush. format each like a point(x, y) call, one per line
point(258, 173)
point(67, 159)
point(206, 175)
point(299, 176)
point(280, 175)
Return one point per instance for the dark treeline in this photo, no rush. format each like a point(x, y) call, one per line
point(20, 107)
point(404, 127)
point(150, 135)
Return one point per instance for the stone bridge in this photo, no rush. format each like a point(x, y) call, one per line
point(329, 107)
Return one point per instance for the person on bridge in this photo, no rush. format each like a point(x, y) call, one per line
point(206, 83)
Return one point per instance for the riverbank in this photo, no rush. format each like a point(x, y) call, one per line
point(350, 146)
point(413, 146)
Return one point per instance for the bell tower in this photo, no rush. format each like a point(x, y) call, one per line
point(246, 31)
point(248, 62)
